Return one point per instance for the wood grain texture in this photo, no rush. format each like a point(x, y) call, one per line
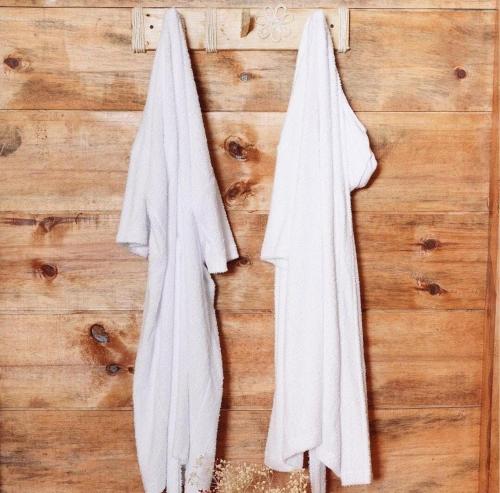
point(493, 471)
point(372, 4)
point(402, 61)
point(71, 300)
point(402, 259)
point(441, 353)
point(489, 461)
point(416, 450)
point(229, 24)
point(71, 160)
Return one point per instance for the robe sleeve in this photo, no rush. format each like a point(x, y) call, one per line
point(216, 239)
point(361, 162)
point(214, 233)
point(133, 231)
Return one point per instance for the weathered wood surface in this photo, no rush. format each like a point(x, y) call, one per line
point(416, 450)
point(85, 360)
point(229, 26)
point(493, 469)
point(372, 4)
point(489, 453)
point(421, 238)
point(396, 335)
point(421, 384)
point(69, 160)
point(403, 61)
point(403, 263)
point(419, 80)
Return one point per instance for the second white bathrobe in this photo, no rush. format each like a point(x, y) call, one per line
point(320, 395)
point(173, 214)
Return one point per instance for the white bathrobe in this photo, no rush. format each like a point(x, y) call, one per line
point(173, 214)
point(320, 394)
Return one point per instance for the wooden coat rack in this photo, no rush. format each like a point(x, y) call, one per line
point(239, 29)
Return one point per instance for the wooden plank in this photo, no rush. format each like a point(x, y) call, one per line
point(66, 160)
point(494, 455)
point(413, 450)
point(403, 262)
point(416, 359)
point(488, 457)
point(400, 60)
point(67, 451)
point(392, 336)
point(411, 149)
point(228, 28)
point(371, 4)
point(229, 25)
point(419, 238)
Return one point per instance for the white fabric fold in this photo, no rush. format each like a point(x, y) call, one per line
point(320, 394)
point(173, 214)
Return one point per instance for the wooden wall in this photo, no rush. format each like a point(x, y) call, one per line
point(420, 76)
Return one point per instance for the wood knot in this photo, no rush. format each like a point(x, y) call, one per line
point(238, 192)
point(47, 271)
point(460, 73)
point(245, 76)
point(431, 287)
point(10, 139)
point(112, 369)
point(430, 244)
point(244, 261)
point(235, 147)
point(99, 334)
point(434, 289)
point(12, 62)
point(47, 223)
point(16, 61)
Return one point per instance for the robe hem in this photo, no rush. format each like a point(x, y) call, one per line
point(355, 478)
point(135, 248)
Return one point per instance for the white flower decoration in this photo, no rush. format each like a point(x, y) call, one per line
point(275, 24)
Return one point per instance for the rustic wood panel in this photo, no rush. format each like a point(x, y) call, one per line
point(420, 238)
point(421, 82)
point(440, 351)
point(66, 160)
point(494, 441)
point(422, 384)
point(229, 26)
point(416, 450)
point(392, 336)
point(61, 283)
point(420, 4)
point(402, 259)
point(489, 462)
point(81, 59)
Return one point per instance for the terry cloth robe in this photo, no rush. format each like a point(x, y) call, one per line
point(320, 388)
point(173, 214)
